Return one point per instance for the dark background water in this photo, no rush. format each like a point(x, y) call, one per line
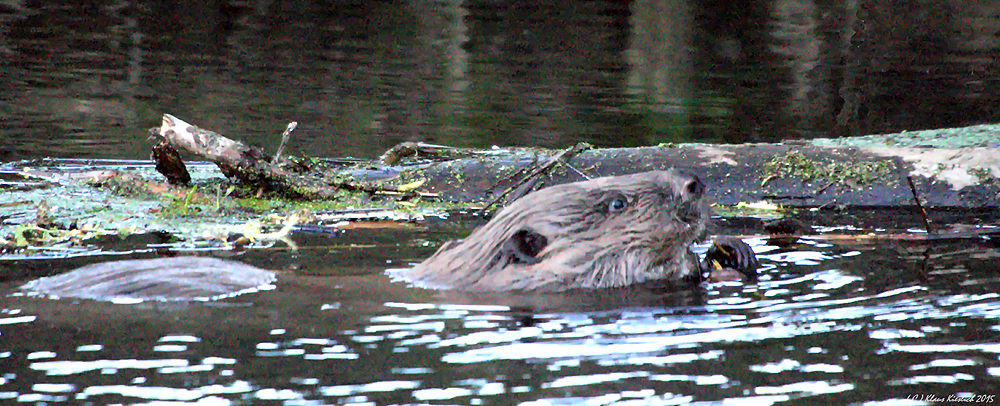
point(86, 78)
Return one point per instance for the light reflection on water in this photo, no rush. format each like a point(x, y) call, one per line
point(811, 327)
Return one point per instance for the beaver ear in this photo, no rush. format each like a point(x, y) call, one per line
point(525, 245)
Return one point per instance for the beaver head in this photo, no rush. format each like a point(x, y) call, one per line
point(603, 232)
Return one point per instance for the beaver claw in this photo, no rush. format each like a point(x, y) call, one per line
point(730, 259)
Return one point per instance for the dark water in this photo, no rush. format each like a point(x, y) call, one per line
point(834, 320)
point(84, 79)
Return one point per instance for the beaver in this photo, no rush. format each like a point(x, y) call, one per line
point(160, 279)
point(598, 233)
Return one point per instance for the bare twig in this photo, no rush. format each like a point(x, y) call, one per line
point(923, 213)
point(523, 186)
point(402, 150)
point(824, 188)
point(571, 167)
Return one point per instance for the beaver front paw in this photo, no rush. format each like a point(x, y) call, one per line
point(729, 259)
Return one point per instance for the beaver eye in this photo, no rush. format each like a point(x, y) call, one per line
point(617, 205)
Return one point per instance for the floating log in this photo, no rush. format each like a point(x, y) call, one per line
point(796, 174)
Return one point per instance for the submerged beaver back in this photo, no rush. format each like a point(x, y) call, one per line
point(604, 232)
point(175, 278)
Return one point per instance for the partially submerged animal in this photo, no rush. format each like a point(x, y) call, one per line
point(172, 278)
point(599, 233)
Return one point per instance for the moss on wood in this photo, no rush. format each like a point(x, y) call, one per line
point(795, 164)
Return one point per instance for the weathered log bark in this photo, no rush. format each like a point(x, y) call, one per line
point(255, 167)
point(170, 164)
point(236, 159)
point(790, 174)
point(786, 174)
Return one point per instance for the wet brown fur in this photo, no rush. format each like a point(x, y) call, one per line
point(574, 236)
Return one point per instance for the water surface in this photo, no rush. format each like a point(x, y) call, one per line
point(833, 320)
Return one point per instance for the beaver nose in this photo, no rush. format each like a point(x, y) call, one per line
point(694, 188)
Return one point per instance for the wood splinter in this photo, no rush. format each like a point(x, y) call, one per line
point(284, 139)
